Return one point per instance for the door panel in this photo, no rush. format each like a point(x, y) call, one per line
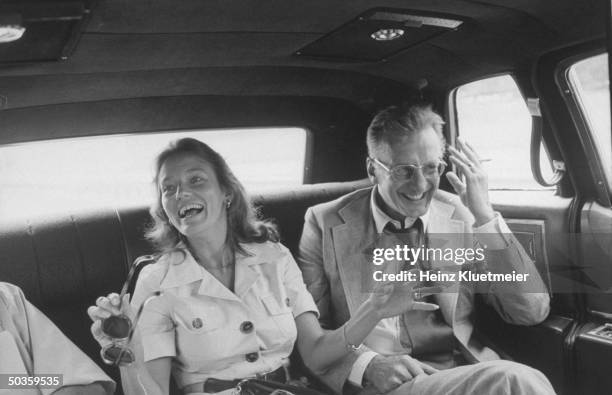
point(551, 250)
point(593, 346)
point(593, 354)
point(596, 253)
point(538, 219)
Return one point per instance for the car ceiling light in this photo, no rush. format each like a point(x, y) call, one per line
point(10, 28)
point(387, 34)
point(417, 20)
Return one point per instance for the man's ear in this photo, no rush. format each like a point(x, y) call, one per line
point(371, 170)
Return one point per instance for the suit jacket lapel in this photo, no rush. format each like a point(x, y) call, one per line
point(351, 241)
point(445, 232)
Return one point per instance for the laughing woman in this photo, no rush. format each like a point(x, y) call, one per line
point(233, 300)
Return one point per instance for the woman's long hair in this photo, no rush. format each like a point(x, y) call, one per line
point(243, 222)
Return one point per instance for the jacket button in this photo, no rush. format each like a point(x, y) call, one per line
point(252, 357)
point(246, 327)
point(197, 323)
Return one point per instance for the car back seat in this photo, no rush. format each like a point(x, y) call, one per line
point(65, 262)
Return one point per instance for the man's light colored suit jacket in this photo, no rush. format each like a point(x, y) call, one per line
point(332, 256)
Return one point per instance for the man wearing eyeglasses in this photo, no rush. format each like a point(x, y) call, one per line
point(36, 358)
point(424, 351)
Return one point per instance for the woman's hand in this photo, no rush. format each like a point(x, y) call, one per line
point(107, 306)
point(324, 348)
point(393, 298)
point(138, 377)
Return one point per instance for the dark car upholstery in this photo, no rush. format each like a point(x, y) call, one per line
point(63, 264)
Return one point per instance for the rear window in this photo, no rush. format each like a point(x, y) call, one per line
point(64, 175)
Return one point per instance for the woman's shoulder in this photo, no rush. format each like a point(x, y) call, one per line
point(12, 299)
point(9, 293)
point(266, 251)
point(265, 247)
point(154, 273)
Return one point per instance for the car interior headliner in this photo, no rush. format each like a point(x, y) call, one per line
point(149, 48)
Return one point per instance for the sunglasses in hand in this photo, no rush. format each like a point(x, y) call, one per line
point(120, 328)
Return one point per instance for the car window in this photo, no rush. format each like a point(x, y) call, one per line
point(58, 176)
point(493, 117)
point(590, 84)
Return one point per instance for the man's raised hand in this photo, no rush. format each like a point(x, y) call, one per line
point(471, 182)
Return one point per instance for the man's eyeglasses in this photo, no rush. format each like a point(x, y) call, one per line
point(407, 172)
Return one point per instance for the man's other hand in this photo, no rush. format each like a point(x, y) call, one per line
point(388, 373)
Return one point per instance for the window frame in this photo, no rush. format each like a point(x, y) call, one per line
point(453, 124)
point(603, 184)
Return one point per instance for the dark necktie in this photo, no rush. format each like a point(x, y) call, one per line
point(416, 226)
point(413, 236)
point(423, 331)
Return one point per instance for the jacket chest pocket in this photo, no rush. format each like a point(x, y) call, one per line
point(199, 318)
point(280, 316)
point(199, 331)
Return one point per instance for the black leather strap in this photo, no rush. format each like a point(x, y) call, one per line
point(213, 385)
point(536, 142)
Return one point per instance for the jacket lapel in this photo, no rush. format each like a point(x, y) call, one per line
point(452, 233)
point(188, 271)
point(246, 273)
point(445, 232)
point(351, 241)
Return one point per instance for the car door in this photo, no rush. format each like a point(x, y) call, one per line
point(565, 226)
point(492, 115)
point(584, 83)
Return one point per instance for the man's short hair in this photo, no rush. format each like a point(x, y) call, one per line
point(396, 122)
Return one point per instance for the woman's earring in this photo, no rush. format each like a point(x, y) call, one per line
point(228, 203)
